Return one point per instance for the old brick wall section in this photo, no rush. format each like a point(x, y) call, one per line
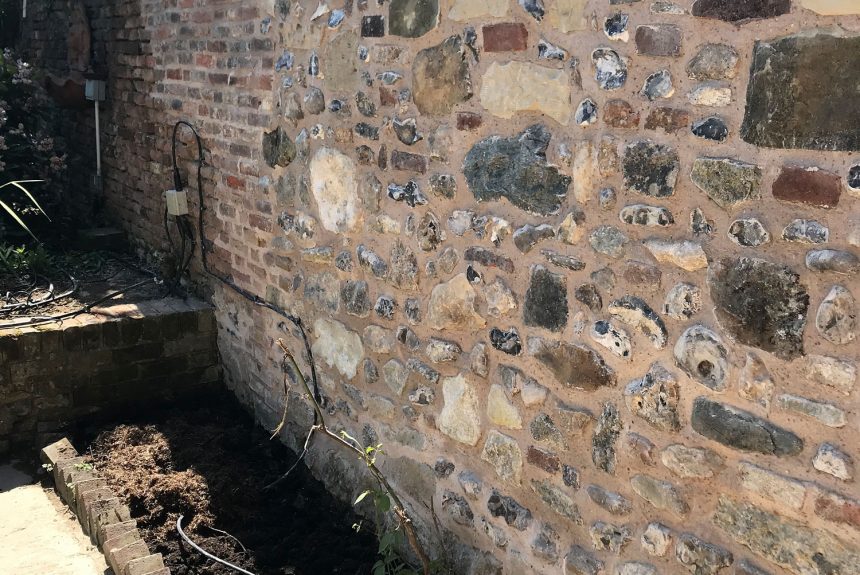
point(587, 268)
point(95, 366)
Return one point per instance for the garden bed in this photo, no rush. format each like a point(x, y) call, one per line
point(211, 464)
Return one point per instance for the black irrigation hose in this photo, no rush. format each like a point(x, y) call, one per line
point(204, 246)
point(204, 552)
point(30, 303)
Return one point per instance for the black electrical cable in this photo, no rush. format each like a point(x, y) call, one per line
point(204, 247)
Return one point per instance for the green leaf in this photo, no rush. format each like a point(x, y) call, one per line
point(362, 496)
point(383, 503)
point(386, 541)
point(17, 219)
point(18, 185)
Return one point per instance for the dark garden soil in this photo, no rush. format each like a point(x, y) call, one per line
point(211, 464)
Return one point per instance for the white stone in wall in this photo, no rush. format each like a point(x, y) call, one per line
point(501, 411)
point(463, 10)
point(334, 186)
point(566, 15)
point(459, 418)
point(337, 346)
point(516, 87)
point(832, 7)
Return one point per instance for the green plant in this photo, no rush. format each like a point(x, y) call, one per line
point(23, 259)
point(385, 498)
point(7, 207)
point(390, 540)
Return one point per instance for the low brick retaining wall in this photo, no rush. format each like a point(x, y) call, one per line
point(95, 364)
point(102, 515)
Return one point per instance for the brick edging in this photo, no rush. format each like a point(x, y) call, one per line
point(102, 515)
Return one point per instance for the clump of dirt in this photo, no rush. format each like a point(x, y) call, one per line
point(212, 464)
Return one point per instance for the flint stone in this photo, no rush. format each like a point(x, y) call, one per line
point(691, 462)
point(636, 313)
point(740, 10)
point(610, 69)
point(544, 430)
point(836, 261)
point(701, 557)
point(712, 128)
point(644, 215)
point(836, 319)
point(573, 365)
point(441, 77)
point(412, 18)
point(278, 148)
point(458, 508)
point(830, 459)
point(655, 398)
point(605, 436)
point(586, 113)
point(504, 454)
point(567, 262)
point(578, 561)
point(516, 168)
point(589, 295)
point(787, 74)
point(837, 373)
point(506, 341)
point(608, 536)
point(611, 337)
point(825, 413)
point(771, 486)
point(642, 274)
point(760, 304)
point(683, 301)
point(656, 539)
point(608, 240)
point(615, 503)
point(658, 40)
point(710, 94)
point(650, 169)
point(546, 300)
point(660, 494)
point(528, 236)
point(685, 254)
point(557, 500)
point(355, 299)
point(756, 382)
point(806, 231)
point(741, 429)
point(713, 62)
point(488, 258)
point(658, 85)
point(726, 181)
point(443, 185)
point(795, 547)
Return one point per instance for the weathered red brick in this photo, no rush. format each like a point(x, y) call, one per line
point(469, 121)
point(810, 186)
point(620, 114)
point(546, 460)
point(505, 37)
